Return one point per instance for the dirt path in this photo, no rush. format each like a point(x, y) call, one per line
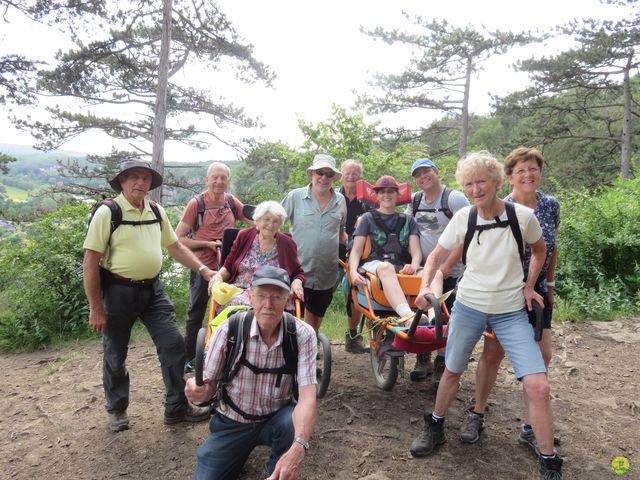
point(53, 424)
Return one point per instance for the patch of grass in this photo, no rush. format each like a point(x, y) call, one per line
point(335, 320)
point(565, 311)
point(56, 365)
point(16, 194)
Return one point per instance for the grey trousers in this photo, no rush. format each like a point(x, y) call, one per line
point(124, 305)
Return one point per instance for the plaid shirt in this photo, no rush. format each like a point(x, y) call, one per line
point(258, 394)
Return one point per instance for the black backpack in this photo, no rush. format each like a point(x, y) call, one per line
point(392, 251)
point(512, 223)
point(444, 204)
point(202, 208)
point(116, 215)
point(236, 352)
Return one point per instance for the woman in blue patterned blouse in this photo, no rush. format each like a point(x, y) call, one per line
point(523, 168)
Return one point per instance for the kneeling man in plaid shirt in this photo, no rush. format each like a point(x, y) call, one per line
point(257, 405)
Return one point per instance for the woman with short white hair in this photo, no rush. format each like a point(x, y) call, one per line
point(492, 294)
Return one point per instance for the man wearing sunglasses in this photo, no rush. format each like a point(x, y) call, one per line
point(318, 216)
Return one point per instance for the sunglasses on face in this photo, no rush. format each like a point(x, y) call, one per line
point(325, 173)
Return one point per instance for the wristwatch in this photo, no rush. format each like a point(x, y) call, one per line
point(201, 267)
point(302, 442)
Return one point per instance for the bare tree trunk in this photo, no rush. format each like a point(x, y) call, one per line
point(160, 119)
point(464, 120)
point(625, 163)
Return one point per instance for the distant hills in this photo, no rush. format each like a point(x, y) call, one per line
point(34, 169)
point(24, 151)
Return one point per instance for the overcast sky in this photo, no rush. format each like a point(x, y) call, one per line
point(319, 56)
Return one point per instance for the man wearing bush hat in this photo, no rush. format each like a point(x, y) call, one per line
point(318, 216)
point(121, 270)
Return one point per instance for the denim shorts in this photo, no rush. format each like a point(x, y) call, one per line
point(512, 330)
point(371, 266)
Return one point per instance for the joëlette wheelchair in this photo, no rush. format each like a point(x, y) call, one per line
point(390, 342)
point(323, 370)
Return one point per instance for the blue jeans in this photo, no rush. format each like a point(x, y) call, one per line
point(230, 443)
point(512, 330)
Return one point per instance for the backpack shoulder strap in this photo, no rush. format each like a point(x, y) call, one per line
point(444, 202)
point(116, 214)
point(377, 220)
point(402, 219)
point(515, 230)
point(415, 205)
point(156, 212)
point(471, 230)
point(237, 335)
point(232, 205)
point(200, 216)
point(290, 350)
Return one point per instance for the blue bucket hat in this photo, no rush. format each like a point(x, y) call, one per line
point(422, 162)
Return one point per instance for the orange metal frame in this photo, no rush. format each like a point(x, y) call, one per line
point(410, 285)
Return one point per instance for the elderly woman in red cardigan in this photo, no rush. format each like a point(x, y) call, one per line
point(261, 245)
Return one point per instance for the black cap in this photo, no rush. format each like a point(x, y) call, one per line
point(269, 275)
point(156, 178)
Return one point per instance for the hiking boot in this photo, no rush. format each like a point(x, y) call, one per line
point(431, 436)
point(527, 437)
point(353, 344)
point(118, 421)
point(551, 468)
point(423, 367)
point(473, 425)
point(191, 414)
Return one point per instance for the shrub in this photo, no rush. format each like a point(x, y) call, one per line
point(41, 288)
point(41, 283)
point(599, 250)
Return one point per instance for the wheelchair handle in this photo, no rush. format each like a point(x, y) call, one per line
point(437, 320)
point(200, 354)
point(538, 310)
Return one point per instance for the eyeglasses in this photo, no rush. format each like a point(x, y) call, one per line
point(269, 220)
point(326, 173)
point(273, 298)
point(523, 171)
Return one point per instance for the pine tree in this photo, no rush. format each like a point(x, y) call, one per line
point(439, 75)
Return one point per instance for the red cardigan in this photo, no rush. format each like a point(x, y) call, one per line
point(287, 254)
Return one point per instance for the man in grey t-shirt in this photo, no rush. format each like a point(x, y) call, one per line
point(432, 207)
point(318, 215)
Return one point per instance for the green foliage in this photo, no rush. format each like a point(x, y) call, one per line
point(438, 77)
point(41, 291)
point(175, 277)
point(265, 173)
point(113, 66)
point(334, 323)
point(599, 249)
point(595, 78)
point(40, 283)
point(5, 160)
